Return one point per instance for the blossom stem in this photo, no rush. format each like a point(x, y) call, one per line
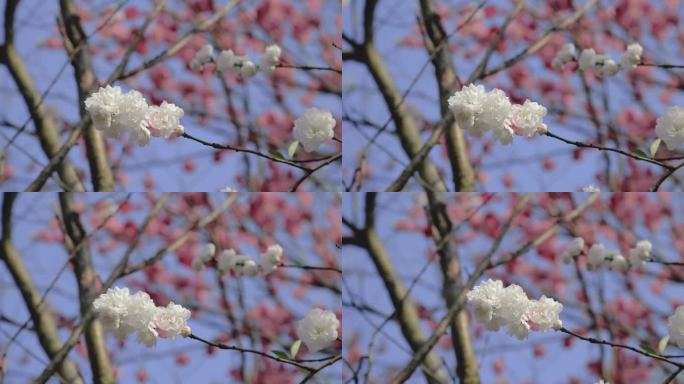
point(310, 68)
point(600, 148)
point(667, 66)
point(260, 353)
point(312, 268)
point(615, 345)
point(229, 147)
point(310, 172)
point(667, 174)
point(314, 372)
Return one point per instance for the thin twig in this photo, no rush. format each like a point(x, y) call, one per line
point(615, 345)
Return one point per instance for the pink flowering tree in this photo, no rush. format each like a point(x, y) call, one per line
point(574, 94)
point(113, 287)
point(515, 289)
point(186, 125)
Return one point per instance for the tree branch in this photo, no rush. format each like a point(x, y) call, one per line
point(87, 291)
point(445, 71)
point(43, 323)
point(86, 82)
point(406, 313)
point(48, 134)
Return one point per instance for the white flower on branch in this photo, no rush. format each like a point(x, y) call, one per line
point(486, 299)
point(675, 326)
point(164, 120)
point(103, 107)
point(318, 329)
point(573, 250)
point(206, 254)
point(171, 321)
point(587, 59)
point(313, 128)
point(640, 253)
point(225, 60)
point(612, 260)
point(567, 53)
point(591, 188)
point(115, 113)
point(619, 263)
point(132, 116)
point(243, 67)
point(125, 314)
point(242, 265)
point(670, 127)
point(604, 65)
point(596, 255)
point(477, 111)
point(497, 306)
point(226, 260)
point(245, 266)
point(528, 118)
point(270, 260)
point(203, 56)
point(544, 314)
point(270, 59)
point(467, 104)
point(497, 115)
point(631, 57)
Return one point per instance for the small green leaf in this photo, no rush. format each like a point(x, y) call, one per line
point(282, 354)
point(640, 153)
point(654, 147)
point(648, 348)
point(662, 344)
point(276, 154)
point(292, 149)
point(295, 348)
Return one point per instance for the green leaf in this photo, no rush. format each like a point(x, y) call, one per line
point(654, 147)
point(295, 348)
point(282, 354)
point(640, 153)
point(292, 149)
point(276, 154)
point(662, 344)
point(648, 348)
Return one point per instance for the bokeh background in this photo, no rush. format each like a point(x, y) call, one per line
point(625, 106)
point(255, 114)
point(260, 312)
point(631, 307)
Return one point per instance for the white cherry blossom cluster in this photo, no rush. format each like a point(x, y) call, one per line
point(601, 63)
point(497, 306)
point(125, 314)
point(318, 329)
point(478, 111)
point(228, 260)
point(598, 256)
point(242, 66)
point(115, 113)
point(313, 128)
